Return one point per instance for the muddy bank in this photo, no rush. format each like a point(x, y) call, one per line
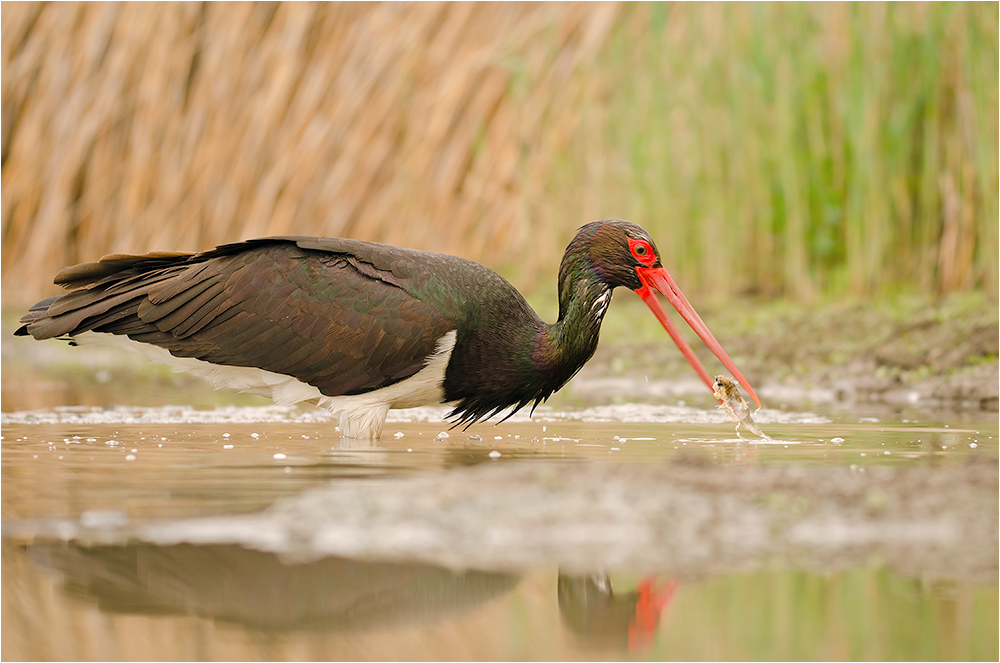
point(902, 352)
point(685, 519)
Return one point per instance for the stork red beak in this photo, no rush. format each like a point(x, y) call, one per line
point(657, 278)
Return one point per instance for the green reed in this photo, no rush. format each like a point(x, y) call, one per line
point(798, 148)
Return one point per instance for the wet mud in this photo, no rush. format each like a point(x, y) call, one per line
point(687, 519)
point(904, 353)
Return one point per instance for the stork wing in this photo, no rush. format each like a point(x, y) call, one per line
point(335, 314)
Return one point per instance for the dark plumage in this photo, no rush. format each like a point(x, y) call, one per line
point(350, 317)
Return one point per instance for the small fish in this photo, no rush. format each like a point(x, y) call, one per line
point(731, 402)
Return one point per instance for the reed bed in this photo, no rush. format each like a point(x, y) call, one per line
point(781, 149)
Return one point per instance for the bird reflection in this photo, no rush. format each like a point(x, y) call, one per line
point(591, 609)
point(258, 590)
point(262, 592)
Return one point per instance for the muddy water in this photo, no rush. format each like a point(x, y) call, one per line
point(182, 469)
point(611, 532)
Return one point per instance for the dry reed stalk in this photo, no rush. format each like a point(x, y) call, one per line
point(138, 127)
point(782, 149)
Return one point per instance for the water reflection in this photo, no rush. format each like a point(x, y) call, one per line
point(221, 602)
point(260, 593)
point(257, 590)
point(590, 607)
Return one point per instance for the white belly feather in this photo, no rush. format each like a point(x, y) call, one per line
point(361, 415)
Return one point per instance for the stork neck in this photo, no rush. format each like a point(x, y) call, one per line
point(571, 340)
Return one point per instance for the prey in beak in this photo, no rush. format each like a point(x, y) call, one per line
point(658, 280)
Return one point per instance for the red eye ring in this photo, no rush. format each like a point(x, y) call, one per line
point(642, 251)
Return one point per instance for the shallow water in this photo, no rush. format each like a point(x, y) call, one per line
point(174, 469)
point(255, 532)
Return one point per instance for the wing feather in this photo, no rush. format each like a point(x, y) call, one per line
point(209, 311)
point(333, 313)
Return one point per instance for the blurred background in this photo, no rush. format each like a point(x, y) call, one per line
point(801, 151)
point(821, 180)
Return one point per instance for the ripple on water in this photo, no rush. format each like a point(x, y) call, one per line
point(174, 414)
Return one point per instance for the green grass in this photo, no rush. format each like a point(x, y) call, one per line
point(797, 149)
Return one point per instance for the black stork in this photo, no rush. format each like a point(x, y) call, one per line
point(359, 327)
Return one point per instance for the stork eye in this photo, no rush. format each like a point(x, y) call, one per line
point(642, 252)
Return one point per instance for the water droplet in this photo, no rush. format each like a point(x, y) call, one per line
point(130, 457)
point(279, 456)
point(494, 454)
point(227, 446)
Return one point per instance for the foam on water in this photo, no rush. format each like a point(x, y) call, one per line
point(182, 414)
